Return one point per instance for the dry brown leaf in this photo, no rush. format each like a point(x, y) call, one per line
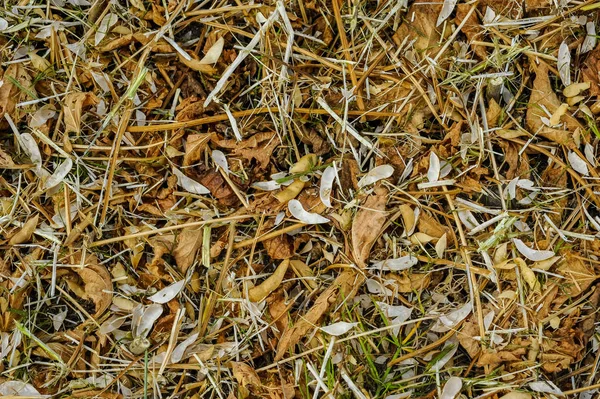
point(259, 147)
point(555, 362)
point(25, 233)
point(73, 107)
point(472, 28)
point(367, 225)
point(244, 374)
point(188, 243)
point(537, 4)
point(578, 276)
point(278, 311)
point(493, 113)
point(262, 153)
point(408, 217)
point(304, 272)
point(39, 63)
point(260, 292)
point(219, 187)
point(591, 71)
point(410, 282)
point(318, 144)
point(195, 146)
point(348, 174)
point(469, 330)
point(97, 283)
point(116, 43)
point(543, 96)
point(344, 286)
point(429, 225)
point(492, 358)
point(421, 27)
point(5, 159)
point(16, 87)
point(280, 247)
point(135, 245)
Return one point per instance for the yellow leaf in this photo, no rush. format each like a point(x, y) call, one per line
point(527, 274)
point(408, 216)
point(304, 164)
point(39, 63)
point(290, 192)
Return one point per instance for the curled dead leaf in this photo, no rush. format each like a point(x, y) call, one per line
point(25, 233)
point(196, 65)
point(260, 292)
point(195, 146)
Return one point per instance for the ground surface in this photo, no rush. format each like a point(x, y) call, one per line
point(328, 199)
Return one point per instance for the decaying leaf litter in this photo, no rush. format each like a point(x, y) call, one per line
point(299, 199)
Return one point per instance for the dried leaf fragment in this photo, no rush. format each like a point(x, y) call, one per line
point(73, 107)
point(367, 225)
point(188, 243)
point(260, 292)
point(25, 233)
point(97, 284)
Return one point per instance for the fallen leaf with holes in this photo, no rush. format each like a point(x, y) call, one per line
point(97, 283)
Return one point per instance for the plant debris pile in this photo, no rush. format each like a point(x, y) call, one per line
point(299, 199)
